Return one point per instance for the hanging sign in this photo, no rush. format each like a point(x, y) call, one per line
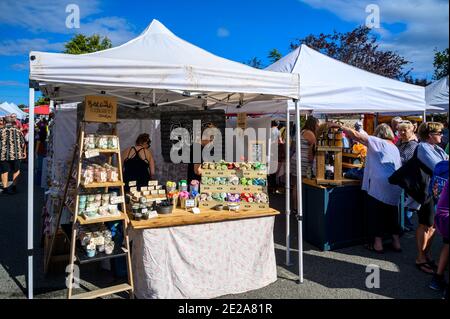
point(242, 120)
point(100, 109)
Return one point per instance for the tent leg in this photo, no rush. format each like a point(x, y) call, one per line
point(30, 193)
point(424, 116)
point(288, 190)
point(299, 194)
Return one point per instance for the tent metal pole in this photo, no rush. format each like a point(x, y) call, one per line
point(298, 152)
point(30, 193)
point(425, 116)
point(288, 188)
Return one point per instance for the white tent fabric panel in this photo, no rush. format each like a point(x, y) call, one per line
point(158, 59)
point(9, 108)
point(437, 93)
point(331, 86)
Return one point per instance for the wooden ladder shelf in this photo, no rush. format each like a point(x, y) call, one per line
point(76, 254)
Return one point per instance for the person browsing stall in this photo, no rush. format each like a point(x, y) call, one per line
point(138, 162)
point(383, 159)
point(194, 170)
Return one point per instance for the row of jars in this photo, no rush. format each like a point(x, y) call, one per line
point(97, 241)
point(100, 174)
point(95, 205)
point(92, 141)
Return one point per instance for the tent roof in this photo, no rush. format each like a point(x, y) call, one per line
point(156, 67)
point(331, 86)
point(436, 93)
point(8, 108)
point(41, 110)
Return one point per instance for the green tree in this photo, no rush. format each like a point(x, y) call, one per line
point(416, 81)
point(358, 48)
point(255, 63)
point(80, 44)
point(440, 64)
point(42, 101)
point(274, 55)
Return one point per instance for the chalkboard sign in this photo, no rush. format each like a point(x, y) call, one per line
point(185, 119)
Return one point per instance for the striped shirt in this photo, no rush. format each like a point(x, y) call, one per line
point(406, 149)
point(12, 144)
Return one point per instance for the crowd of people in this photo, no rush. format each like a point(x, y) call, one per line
point(397, 150)
point(13, 149)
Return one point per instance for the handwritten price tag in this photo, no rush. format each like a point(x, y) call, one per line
point(91, 153)
point(190, 203)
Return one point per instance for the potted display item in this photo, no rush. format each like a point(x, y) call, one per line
point(164, 207)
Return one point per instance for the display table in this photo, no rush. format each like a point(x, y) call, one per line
point(210, 255)
point(333, 217)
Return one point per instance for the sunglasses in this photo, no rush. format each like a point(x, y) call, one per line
point(436, 133)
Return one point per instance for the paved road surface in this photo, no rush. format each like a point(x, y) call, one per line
point(337, 274)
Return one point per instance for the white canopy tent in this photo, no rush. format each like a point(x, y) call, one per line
point(436, 94)
point(331, 86)
point(155, 69)
point(9, 108)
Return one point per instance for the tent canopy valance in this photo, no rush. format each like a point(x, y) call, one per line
point(157, 68)
point(437, 93)
point(331, 86)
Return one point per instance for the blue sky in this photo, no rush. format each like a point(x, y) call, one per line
point(237, 30)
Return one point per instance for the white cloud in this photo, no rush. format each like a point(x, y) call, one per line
point(49, 16)
point(11, 83)
point(425, 26)
point(24, 46)
point(43, 15)
point(20, 66)
point(223, 32)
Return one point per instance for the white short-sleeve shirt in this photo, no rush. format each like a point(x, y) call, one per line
point(383, 159)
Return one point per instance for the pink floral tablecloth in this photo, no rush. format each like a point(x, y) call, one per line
point(204, 260)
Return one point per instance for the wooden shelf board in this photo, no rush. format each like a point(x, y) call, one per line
point(100, 150)
point(329, 148)
point(348, 165)
point(103, 185)
point(83, 221)
point(344, 182)
point(103, 292)
point(82, 258)
point(180, 217)
point(352, 155)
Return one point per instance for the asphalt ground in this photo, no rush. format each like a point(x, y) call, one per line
point(339, 274)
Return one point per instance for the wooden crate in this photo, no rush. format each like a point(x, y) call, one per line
point(242, 205)
point(233, 188)
point(254, 174)
point(219, 173)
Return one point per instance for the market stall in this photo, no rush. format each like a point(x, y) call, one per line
point(329, 86)
point(157, 70)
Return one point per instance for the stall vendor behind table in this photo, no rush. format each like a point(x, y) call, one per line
point(194, 170)
point(138, 163)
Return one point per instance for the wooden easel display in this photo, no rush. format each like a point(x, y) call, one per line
point(329, 143)
point(88, 218)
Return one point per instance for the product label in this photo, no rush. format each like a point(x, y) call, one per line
point(91, 153)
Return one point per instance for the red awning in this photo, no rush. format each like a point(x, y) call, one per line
point(41, 110)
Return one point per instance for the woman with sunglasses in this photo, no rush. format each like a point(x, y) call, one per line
point(138, 163)
point(429, 153)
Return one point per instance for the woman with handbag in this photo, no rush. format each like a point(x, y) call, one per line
point(429, 153)
point(383, 159)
